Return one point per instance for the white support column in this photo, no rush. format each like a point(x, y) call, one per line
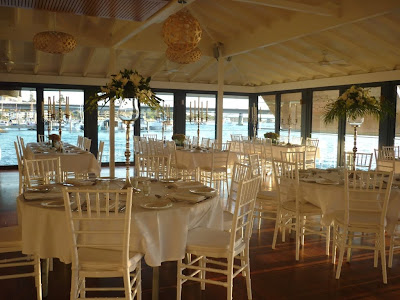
point(112, 139)
point(220, 98)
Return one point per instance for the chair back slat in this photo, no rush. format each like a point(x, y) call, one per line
point(97, 220)
point(42, 171)
point(244, 209)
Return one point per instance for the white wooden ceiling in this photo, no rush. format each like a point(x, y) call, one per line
point(265, 44)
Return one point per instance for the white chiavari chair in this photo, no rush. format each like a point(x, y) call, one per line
point(366, 200)
point(205, 143)
point(87, 143)
point(216, 174)
point(236, 137)
point(294, 213)
point(240, 173)
point(16, 266)
point(310, 156)
point(362, 162)
point(385, 160)
point(101, 251)
point(100, 152)
point(150, 136)
point(395, 149)
point(312, 142)
point(210, 246)
point(40, 138)
point(79, 142)
point(295, 157)
point(154, 166)
point(21, 172)
point(42, 171)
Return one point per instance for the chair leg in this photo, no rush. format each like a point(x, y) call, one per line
point(391, 251)
point(38, 281)
point(229, 279)
point(259, 220)
point(298, 237)
point(74, 283)
point(334, 242)
point(139, 281)
point(383, 256)
point(328, 239)
point(202, 273)
point(376, 251)
point(341, 253)
point(127, 284)
point(350, 236)
point(179, 281)
point(277, 225)
point(247, 272)
point(303, 230)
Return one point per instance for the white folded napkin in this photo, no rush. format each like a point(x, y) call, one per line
point(43, 195)
point(186, 184)
point(80, 182)
point(186, 196)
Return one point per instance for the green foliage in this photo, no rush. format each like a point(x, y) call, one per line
point(271, 135)
point(356, 102)
point(126, 84)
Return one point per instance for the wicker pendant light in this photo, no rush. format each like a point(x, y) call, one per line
point(55, 42)
point(182, 34)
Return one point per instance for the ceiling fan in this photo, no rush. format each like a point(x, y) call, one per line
point(327, 62)
point(168, 70)
point(6, 61)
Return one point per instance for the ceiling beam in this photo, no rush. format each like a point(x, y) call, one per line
point(161, 63)
point(169, 9)
point(111, 63)
point(62, 64)
point(294, 6)
point(196, 73)
point(88, 61)
point(299, 25)
point(37, 62)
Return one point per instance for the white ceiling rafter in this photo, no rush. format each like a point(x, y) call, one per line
point(300, 26)
point(294, 6)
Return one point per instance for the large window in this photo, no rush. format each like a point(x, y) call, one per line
point(397, 132)
point(367, 133)
point(326, 133)
point(206, 112)
point(266, 114)
point(235, 117)
point(17, 118)
point(70, 127)
point(291, 118)
point(152, 121)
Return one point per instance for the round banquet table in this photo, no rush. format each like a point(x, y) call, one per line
point(192, 159)
point(75, 160)
point(330, 198)
point(160, 234)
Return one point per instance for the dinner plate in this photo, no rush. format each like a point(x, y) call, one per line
point(156, 205)
point(54, 203)
point(204, 191)
point(169, 180)
point(327, 182)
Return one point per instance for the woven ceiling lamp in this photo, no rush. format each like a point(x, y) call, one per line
point(185, 58)
point(54, 42)
point(182, 34)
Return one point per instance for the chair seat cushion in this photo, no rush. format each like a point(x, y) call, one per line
point(305, 208)
point(217, 169)
point(359, 218)
point(103, 259)
point(10, 237)
point(206, 240)
point(268, 195)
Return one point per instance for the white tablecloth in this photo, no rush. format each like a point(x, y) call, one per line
point(330, 198)
point(192, 159)
point(159, 234)
point(277, 149)
point(75, 160)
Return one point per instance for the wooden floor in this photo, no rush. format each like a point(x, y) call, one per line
point(274, 273)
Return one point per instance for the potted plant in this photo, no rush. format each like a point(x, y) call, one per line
point(178, 138)
point(272, 135)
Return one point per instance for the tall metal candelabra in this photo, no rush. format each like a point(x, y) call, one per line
point(198, 118)
point(53, 116)
point(355, 122)
point(127, 154)
point(289, 123)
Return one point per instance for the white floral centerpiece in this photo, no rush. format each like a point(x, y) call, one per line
point(356, 102)
point(126, 84)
